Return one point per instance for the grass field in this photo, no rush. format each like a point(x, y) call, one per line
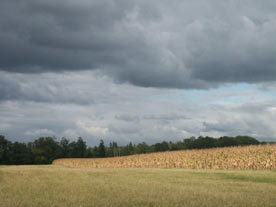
point(27, 186)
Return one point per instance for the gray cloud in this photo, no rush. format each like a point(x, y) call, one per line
point(42, 88)
point(171, 44)
point(74, 68)
point(127, 117)
point(167, 117)
point(125, 113)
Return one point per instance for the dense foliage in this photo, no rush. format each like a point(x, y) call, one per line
point(46, 149)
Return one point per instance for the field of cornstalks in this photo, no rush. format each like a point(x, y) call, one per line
point(250, 158)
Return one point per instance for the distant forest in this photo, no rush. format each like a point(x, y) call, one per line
point(46, 149)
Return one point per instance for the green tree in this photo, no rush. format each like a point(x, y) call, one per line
point(64, 146)
point(101, 149)
point(19, 154)
point(45, 150)
point(246, 140)
point(142, 148)
point(161, 147)
point(127, 150)
point(226, 142)
point(81, 147)
point(3, 150)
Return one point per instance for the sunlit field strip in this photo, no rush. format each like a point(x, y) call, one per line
point(261, 157)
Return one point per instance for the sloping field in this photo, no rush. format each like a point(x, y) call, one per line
point(261, 157)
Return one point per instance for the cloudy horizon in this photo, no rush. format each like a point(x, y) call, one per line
point(137, 70)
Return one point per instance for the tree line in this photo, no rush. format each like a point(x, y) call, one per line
point(46, 149)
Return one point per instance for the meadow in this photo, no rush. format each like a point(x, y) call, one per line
point(259, 157)
point(50, 185)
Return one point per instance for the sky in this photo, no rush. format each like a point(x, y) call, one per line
point(141, 70)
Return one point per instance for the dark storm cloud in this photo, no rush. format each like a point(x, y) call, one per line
point(49, 35)
point(172, 44)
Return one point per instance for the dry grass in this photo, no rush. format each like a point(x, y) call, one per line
point(57, 186)
point(250, 158)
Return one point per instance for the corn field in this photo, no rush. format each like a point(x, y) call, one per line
point(261, 157)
